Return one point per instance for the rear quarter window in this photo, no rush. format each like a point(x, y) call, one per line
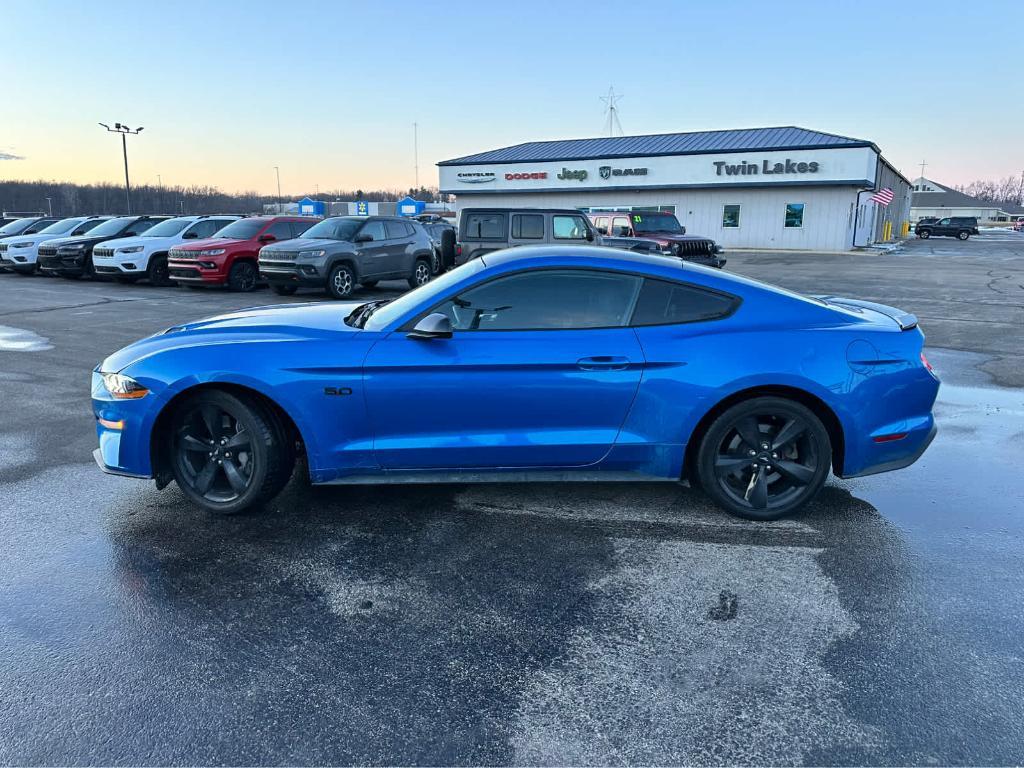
point(665, 303)
point(484, 226)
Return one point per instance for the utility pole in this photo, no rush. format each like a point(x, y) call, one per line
point(124, 130)
point(416, 154)
point(278, 172)
point(159, 181)
point(1020, 190)
point(923, 164)
point(49, 203)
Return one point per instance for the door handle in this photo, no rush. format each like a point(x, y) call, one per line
point(603, 363)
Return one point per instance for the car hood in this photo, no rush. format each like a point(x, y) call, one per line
point(210, 242)
point(665, 238)
point(305, 244)
point(279, 322)
point(127, 242)
point(36, 238)
point(86, 239)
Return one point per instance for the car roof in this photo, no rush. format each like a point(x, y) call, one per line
point(521, 210)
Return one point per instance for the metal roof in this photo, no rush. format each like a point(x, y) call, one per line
point(696, 143)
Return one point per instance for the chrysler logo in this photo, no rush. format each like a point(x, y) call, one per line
point(476, 178)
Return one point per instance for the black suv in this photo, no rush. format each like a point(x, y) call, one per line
point(960, 227)
point(72, 256)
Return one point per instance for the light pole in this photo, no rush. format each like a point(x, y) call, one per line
point(124, 130)
point(49, 203)
point(278, 172)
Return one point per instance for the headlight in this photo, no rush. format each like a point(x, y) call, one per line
point(311, 254)
point(133, 249)
point(123, 387)
point(212, 252)
point(21, 245)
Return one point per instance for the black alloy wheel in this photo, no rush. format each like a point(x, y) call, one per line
point(228, 454)
point(420, 274)
point(243, 276)
point(157, 272)
point(764, 458)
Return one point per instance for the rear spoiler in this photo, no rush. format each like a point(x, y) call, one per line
point(905, 320)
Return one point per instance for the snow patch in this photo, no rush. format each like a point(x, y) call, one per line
point(19, 340)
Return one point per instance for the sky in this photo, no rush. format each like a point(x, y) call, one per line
point(329, 91)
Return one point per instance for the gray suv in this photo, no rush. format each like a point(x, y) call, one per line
point(482, 230)
point(342, 252)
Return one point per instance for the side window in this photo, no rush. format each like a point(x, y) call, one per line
point(731, 216)
point(410, 230)
point(794, 215)
point(569, 227)
point(545, 300)
point(601, 222)
point(944, 222)
point(528, 226)
point(375, 229)
point(620, 227)
point(395, 230)
point(662, 303)
point(298, 227)
point(206, 228)
point(33, 228)
point(281, 230)
point(485, 226)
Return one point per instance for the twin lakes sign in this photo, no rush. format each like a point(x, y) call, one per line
point(843, 166)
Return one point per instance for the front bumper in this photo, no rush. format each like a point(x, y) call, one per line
point(124, 450)
point(63, 264)
point(291, 273)
point(197, 271)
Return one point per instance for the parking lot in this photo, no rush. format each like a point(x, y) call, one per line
point(496, 624)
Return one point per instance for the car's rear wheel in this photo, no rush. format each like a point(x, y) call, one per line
point(764, 458)
point(228, 454)
point(963, 235)
point(157, 273)
point(243, 276)
point(421, 273)
point(924, 234)
point(341, 281)
point(284, 290)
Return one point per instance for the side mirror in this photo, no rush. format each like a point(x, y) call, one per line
point(602, 230)
point(433, 326)
point(590, 235)
point(362, 237)
point(267, 238)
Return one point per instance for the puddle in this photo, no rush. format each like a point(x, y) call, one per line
point(18, 340)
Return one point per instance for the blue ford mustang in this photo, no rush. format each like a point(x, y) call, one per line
point(538, 363)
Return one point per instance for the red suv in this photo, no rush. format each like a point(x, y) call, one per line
point(230, 258)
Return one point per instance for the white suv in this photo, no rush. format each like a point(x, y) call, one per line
point(21, 253)
point(128, 259)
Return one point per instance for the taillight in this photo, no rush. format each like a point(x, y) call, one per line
point(927, 365)
point(458, 249)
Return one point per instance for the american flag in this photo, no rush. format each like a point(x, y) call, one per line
point(883, 196)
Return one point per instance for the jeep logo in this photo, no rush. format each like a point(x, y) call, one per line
point(567, 175)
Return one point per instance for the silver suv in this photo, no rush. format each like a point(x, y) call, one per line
point(344, 251)
point(482, 230)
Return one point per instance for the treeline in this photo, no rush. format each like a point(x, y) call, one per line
point(1008, 190)
point(69, 199)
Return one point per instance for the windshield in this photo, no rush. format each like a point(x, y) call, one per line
point(422, 295)
point(341, 228)
point(113, 226)
point(15, 227)
point(60, 227)
point(243, 229)
point(168, 228)
point(656, 222)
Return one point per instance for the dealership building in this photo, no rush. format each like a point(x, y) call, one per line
point(773, 188)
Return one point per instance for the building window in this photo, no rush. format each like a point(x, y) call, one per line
point(794, 215)
point(731, 216)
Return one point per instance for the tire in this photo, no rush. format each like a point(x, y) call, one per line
point(213, 431)
point(447, 249)
point(790, 471)
point(243, 277)
point(284, 290)
point(369, 283)
point(963, 235)
point(421, 273)
point(924, 234)
point(435, 262)
point(157, 273)
point(341, 281)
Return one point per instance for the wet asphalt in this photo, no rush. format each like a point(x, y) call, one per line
point(498, 624)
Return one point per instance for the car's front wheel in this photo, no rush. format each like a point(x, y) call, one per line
point(228, 454)
point(341, 281)
point(157, 271)
point(963, 235)
point(421, 274)
point(764, 458)
point(243, 276)
point(924, 234)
